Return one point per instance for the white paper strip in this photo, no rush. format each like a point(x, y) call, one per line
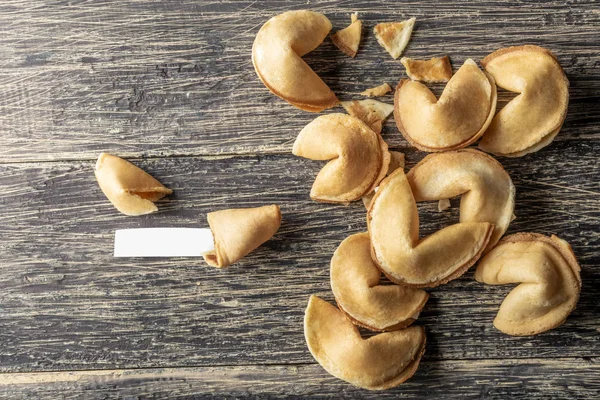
point(163, 242)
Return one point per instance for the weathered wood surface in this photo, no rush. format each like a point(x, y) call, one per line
point(67, 304)
point(532, 379)
point(171, 85)
point(163, 78)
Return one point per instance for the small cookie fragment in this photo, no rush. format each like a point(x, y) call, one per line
point(237, 232)
point(130, 189)
point(394, 36)
point(377, 91)
point(348, 39)
point(443, 205)
point(549, 278)
point(380, 362)
point(371, 112)
point(436, 69)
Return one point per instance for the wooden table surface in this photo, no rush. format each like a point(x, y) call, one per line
point(170, 86)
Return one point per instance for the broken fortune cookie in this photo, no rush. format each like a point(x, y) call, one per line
point(380, 362)
point(130, 189)
point(371, 112)
point(348, 39)
point(277, 57)
point(436, 69)
point(394, 36)
point(237, 232)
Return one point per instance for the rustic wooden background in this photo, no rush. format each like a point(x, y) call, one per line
point(170, 85)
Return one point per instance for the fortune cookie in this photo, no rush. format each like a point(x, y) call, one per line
point(393, 223)
point(458, 118)
point(531, 120)
point(436, 69)
point(548, 277)
point(359, 157)
point(277, 57)
point(237, 232)
point(394, 36)
point(355, 284)
point(130, 189)
point(486, 190)
point(348, 39)
point(379, 362)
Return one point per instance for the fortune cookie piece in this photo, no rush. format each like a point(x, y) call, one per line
point(443, 205)
point(277, 57)
point(359, 157)
point(394, 36)
point(355, 285)
point(436, 69)
point(393, 223)
point(531, 120)
point(486, 190)
point(460, 116)
point(130, 189)
point(371, 112)
point(549, 282)
point(237, 232)
point(396, 161)
point(348, 39)
point(380, 362)
point(377, 91)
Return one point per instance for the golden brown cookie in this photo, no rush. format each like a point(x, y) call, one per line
point(277, 57)
point(377, 363)
point(486, 190)
point(130, 189)
point(405, 258)
point(549, 282)
point(455, 120)
point(359, 157)
point(237, 232)
point(355, 285)
point(531, 120)
point(371, 112)
point(394, 36)
point(348, 39)
point(436, 69)
point(377, 91)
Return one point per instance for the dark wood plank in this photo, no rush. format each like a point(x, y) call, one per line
point(473, 379)
point(175, 78)
point(66, 303)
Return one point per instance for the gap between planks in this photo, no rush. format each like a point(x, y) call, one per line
point(254, 370)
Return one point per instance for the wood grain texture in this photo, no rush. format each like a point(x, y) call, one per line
point(59, 277)
point(514, 379)
point(170, 85)
point(175, 78)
